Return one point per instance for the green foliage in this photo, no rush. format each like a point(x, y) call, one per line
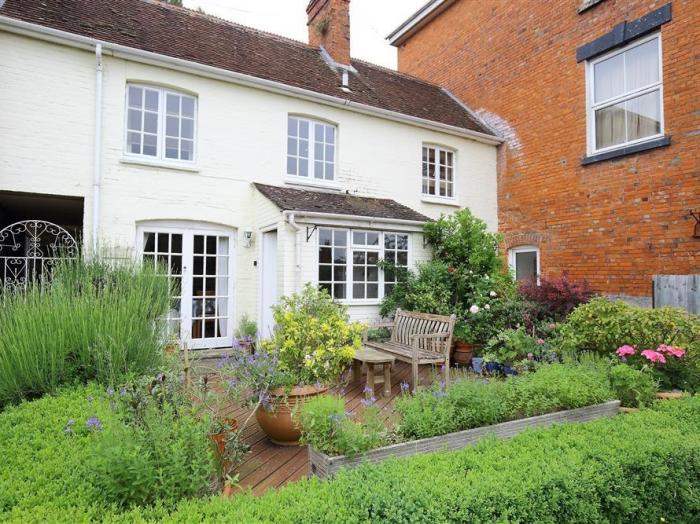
point(165, 458)
point(461, 240)
point(510, 345)
point(556, 387)
point(427, 289)
point(602, 326)
point(95, 321)
point(247, 328)
point(327, 427)
point(635, 469)
point(313, 337)
point(633, 387)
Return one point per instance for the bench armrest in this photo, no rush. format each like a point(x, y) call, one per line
point(432, 337)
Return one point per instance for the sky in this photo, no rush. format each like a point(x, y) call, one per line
point(370, 21)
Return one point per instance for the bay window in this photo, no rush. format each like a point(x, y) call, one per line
point(160, 124)
point(625, 101)
point(348, 262)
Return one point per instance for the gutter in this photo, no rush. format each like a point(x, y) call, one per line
point(289, 217)
point(146, 57)
point(417, 21)
point(97, 160)
point(340, 216)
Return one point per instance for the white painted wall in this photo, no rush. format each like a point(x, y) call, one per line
point(47, 128)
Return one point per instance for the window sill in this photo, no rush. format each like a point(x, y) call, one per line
point(332, 186)
point(192, 168)
point(438, 200)
point(629, 150)
point(353, 303)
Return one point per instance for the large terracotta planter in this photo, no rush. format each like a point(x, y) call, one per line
point(463, 352)
point(278, 424)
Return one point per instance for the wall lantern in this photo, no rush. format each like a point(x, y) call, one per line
point(247, 237)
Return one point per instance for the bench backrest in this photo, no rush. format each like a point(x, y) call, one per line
point(407, 323)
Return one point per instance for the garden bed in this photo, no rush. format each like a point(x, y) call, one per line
point(322, 465)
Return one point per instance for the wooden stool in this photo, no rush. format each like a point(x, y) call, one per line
point(371, 357)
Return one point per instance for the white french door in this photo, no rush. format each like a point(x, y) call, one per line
point(199, 263)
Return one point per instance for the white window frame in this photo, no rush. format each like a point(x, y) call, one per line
point(512, 252)
point(160, 157)
point(351, 247)
point(427, 197)
point(311, 180)
point(592, 106)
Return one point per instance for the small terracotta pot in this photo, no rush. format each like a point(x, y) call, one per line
point(171, 349)
point(278, 424)
point(462, 352)
point(229, 491)
point(220, 438)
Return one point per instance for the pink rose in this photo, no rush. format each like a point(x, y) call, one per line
point(540, 341)
point(654, 356)
point(625, 351)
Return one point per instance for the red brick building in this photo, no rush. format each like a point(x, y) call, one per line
point(599, 102)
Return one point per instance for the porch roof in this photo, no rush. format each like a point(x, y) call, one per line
point(308, 201)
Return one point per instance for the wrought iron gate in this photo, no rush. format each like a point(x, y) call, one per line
point(30, 249)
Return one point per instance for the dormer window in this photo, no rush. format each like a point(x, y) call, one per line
point(310, 149)
point(160, 124)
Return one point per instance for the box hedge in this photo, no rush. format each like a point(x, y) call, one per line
point(641, 468)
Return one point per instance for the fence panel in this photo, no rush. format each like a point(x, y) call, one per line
point(677, 291)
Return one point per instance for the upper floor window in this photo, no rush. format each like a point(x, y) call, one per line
point(160, 123)
point(625, 96)
point(310, 149)
point(438, 171)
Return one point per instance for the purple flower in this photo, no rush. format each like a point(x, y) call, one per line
point(404, 386)
point(93, 423)
point(367, 402)
point(367, 389)
point(122, 392)
point(68, 430)
point(442, 385)
point(318, 384)
point(342, 391)
point(439, 394)
point(90, 398)
point(110, 392)
point(223, 361)
point(232, 382)
point(442, 368)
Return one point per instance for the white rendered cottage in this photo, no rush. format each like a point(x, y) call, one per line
point(248, 162)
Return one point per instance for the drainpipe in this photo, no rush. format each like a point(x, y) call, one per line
point(297, 250)
point(97, 165)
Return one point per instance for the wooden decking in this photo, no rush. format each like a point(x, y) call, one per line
point(269, 466)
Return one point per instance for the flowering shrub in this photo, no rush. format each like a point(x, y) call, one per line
point(313, 340)
point(665, 362)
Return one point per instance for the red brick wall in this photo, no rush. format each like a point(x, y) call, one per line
point(329, 26)
point(614, 223)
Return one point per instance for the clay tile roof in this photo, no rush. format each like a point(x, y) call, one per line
point(178, 32)
point(288, 199)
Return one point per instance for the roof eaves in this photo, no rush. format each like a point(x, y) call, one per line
point(417, 20)
point(475, 116)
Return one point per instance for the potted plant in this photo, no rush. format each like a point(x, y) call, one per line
point(246, 334)
point(312, 345)
point(464, 345)
point(507, 348)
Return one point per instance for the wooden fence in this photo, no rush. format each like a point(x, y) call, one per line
point(677, 291)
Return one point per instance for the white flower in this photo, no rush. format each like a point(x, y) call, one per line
point(474, 309)
point(487, 306)
point(486, 277)
point(308, 357)
point(493, 294)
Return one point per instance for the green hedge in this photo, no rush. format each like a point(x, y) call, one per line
point(636, 468)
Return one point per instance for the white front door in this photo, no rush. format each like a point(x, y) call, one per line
point(269, 283)
point(199, 262)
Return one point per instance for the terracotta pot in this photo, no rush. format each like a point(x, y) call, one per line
point(171, 349)
point(463, 352)
point(220, 438)
point(278, 424)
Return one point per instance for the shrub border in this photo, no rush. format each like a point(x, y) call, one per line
point(322, 465)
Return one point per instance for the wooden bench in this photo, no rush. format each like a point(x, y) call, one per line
point(419, 339)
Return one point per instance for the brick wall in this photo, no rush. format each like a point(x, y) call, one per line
point(617, 222)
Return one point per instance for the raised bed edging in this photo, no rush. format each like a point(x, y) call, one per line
point(322, 465)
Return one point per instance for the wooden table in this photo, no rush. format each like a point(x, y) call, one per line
point(373, 357)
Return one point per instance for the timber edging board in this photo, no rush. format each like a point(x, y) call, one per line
point(322, 465)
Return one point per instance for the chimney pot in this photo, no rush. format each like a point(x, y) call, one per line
point(329, 27)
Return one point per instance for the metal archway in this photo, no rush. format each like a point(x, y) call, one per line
point(29, 249)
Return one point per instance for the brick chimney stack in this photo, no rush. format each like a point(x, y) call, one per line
point(329, 27)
